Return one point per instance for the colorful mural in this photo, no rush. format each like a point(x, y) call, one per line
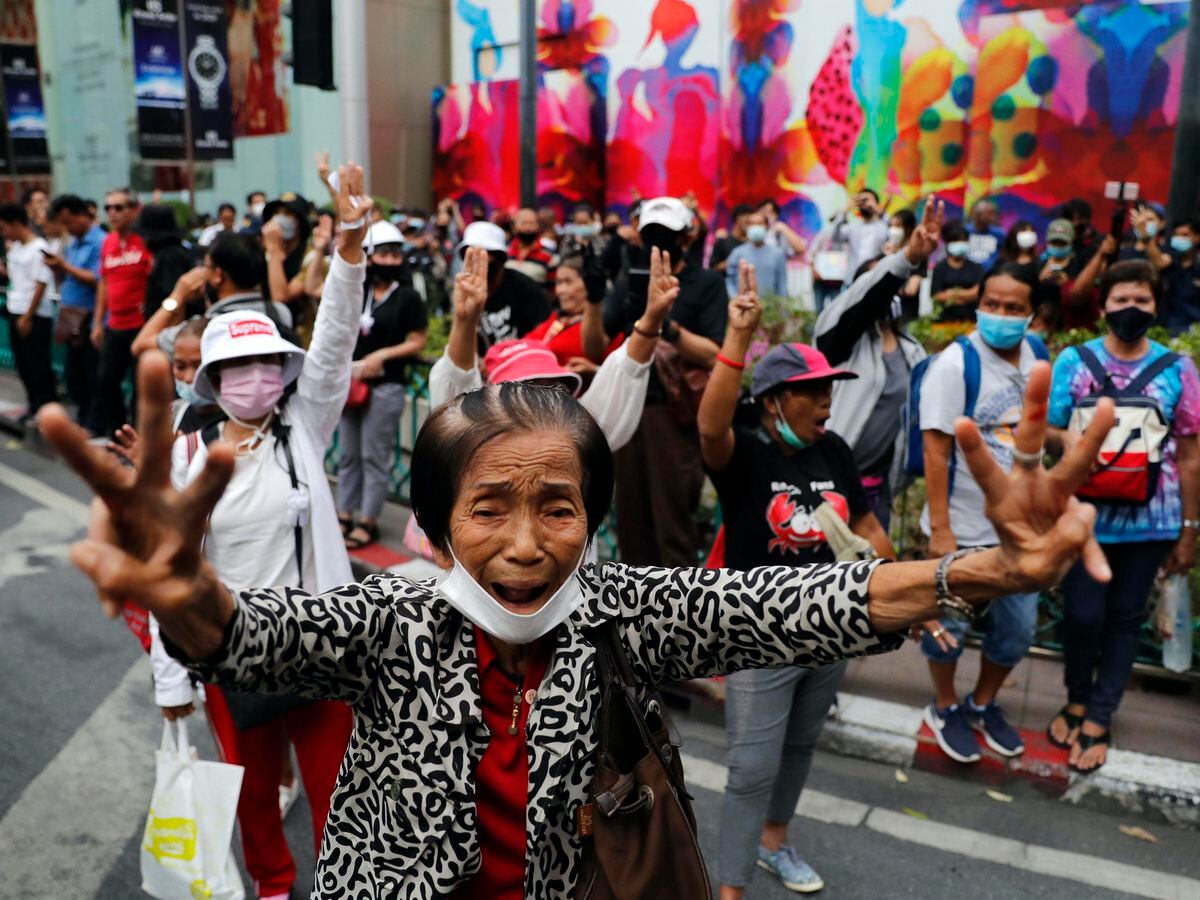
point(804, 101)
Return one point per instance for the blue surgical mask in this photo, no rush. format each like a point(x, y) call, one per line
point(785, 431)
point(1151, 229)
point(756, 234)
point(958, 249)
point(1181, 244)
point(1001, 332)
point(188, 394)
point(1058, 251)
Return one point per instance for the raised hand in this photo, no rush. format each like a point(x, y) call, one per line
point(928, 232)
point(272, 237)
point(148, 547)
point(323, 234)
point(323, 171)
point(595, 280)
point(744, 309)
point(126, 444)
point(1042, 527)
point(351, 201)
point(663, 288)
point(471, 286)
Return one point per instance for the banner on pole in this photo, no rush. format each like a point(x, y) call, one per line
point(205, 28)
point(159, 80)
point(25, 113)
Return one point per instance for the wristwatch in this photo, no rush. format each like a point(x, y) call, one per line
point(170, 304)
point(950, 605)
point(207, 68)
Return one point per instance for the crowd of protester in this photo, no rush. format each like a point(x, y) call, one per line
point(278, 337)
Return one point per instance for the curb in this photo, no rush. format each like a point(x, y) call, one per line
point(896, 735)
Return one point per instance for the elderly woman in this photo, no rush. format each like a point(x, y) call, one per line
point(453, 783)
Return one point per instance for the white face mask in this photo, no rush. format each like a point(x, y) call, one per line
point(1027, 240)
point(895, 235)
point(256, 209)
point(480, 608)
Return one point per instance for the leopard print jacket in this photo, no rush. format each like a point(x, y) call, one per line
point(402, 820)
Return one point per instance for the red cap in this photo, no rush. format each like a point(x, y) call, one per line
point(526, 360)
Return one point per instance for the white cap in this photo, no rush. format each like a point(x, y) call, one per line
point(487, 235)
point(238, 334)
point(383, 233)
point(666, 211)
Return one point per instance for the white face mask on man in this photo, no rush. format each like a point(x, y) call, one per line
point(480, 608)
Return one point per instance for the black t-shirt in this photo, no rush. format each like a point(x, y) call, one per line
point(169, 263)
point(400, 312)
point(721, 249)
point(768, 497)
point(701, 308)
point(518, 306)
point(945, 277)
point(1181, 295)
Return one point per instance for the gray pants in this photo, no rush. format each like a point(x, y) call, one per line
point(773, 718)
point(366, 438)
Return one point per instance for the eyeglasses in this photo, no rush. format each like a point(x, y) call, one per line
point(115, 207)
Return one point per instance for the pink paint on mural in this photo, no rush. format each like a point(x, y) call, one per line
point(476, 143)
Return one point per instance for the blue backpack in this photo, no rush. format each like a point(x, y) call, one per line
point(914, 450)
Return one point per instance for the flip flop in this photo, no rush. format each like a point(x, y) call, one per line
point(1086, 742)
point(1072, 721)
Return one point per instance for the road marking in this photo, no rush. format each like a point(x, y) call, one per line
point(43, 494)
point(1078, 867)
point(91, 798)
point(36, 540)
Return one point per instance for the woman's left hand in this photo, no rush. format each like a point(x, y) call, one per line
point(372, 365)
point(1042, 527)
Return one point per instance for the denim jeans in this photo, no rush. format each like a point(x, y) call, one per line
point(1009, 625)
point(1101, 623)
point(773, 718)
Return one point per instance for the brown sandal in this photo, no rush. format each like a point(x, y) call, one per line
point(1073, 722)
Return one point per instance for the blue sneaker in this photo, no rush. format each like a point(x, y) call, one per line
point(990, 722)
point(795, 873)
point(953, 732)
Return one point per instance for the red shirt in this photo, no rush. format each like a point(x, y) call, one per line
point(125, 267)
point(502, 777)
point(533, 260)
point(567, 340)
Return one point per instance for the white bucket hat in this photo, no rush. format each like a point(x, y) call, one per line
point(238, 334)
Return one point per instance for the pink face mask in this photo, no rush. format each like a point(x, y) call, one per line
point(251, 390)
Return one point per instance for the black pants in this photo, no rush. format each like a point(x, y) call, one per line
point(31, 355)
point(80, 370)
point(659, 478)
point(115, 363)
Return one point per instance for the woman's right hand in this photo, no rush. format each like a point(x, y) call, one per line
point(937, 633)
point(471, 286)
point(150, 548)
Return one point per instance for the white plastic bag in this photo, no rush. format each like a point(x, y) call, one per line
point(186, 845)
point(1175, 623)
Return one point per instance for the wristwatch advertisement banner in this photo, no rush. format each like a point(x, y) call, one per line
point(180, 70)
point(205, 29)
point(25, 114)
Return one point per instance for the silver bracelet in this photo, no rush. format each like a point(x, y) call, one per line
point(951, 605)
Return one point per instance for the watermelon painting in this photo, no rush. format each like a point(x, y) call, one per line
point(834, 115)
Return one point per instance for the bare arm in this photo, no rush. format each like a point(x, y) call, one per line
point(868, 526)
point(697, 350)
point(186, 289)
point(1183, 556)
point(98, 313)
point(314, 275)
point(719, 403)
point(470, 296)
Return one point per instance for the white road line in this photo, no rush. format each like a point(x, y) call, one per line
point(1078, 867)
point(65, 831)
point(43, 494)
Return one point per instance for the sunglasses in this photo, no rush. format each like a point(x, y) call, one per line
point(115, 207)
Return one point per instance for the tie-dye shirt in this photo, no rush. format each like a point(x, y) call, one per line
point(1177, 391)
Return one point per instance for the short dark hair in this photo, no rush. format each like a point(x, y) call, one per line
point(250, 196)
point(742, 209)
point(14, 214)
point(239, 257)
point(771, 203)
point(874, 193)
point(28, 195)
point(572, 261)
point(1016, 272)
point(456, 430)
point(1135, 271)
point(954, 230)
point(908, 217)
point(1077, 208)
point(1192, 222)
point(71, 203)
point(226, 206)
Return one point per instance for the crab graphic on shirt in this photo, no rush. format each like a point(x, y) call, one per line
point(791, 518)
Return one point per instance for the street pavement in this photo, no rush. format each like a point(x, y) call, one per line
point(78, 731)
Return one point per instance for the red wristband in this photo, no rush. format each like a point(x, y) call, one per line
point(726, 361)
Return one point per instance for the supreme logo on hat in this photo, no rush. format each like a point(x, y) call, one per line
point(248, 327)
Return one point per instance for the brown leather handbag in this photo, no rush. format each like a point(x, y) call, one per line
point(639, 831)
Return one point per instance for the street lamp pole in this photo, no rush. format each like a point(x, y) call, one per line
point(350, 22)
point(528, 103)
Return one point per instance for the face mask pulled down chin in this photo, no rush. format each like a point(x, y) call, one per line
point(1001, 332)
point(480, 608)
point(250, 390)
point(1129, 324)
